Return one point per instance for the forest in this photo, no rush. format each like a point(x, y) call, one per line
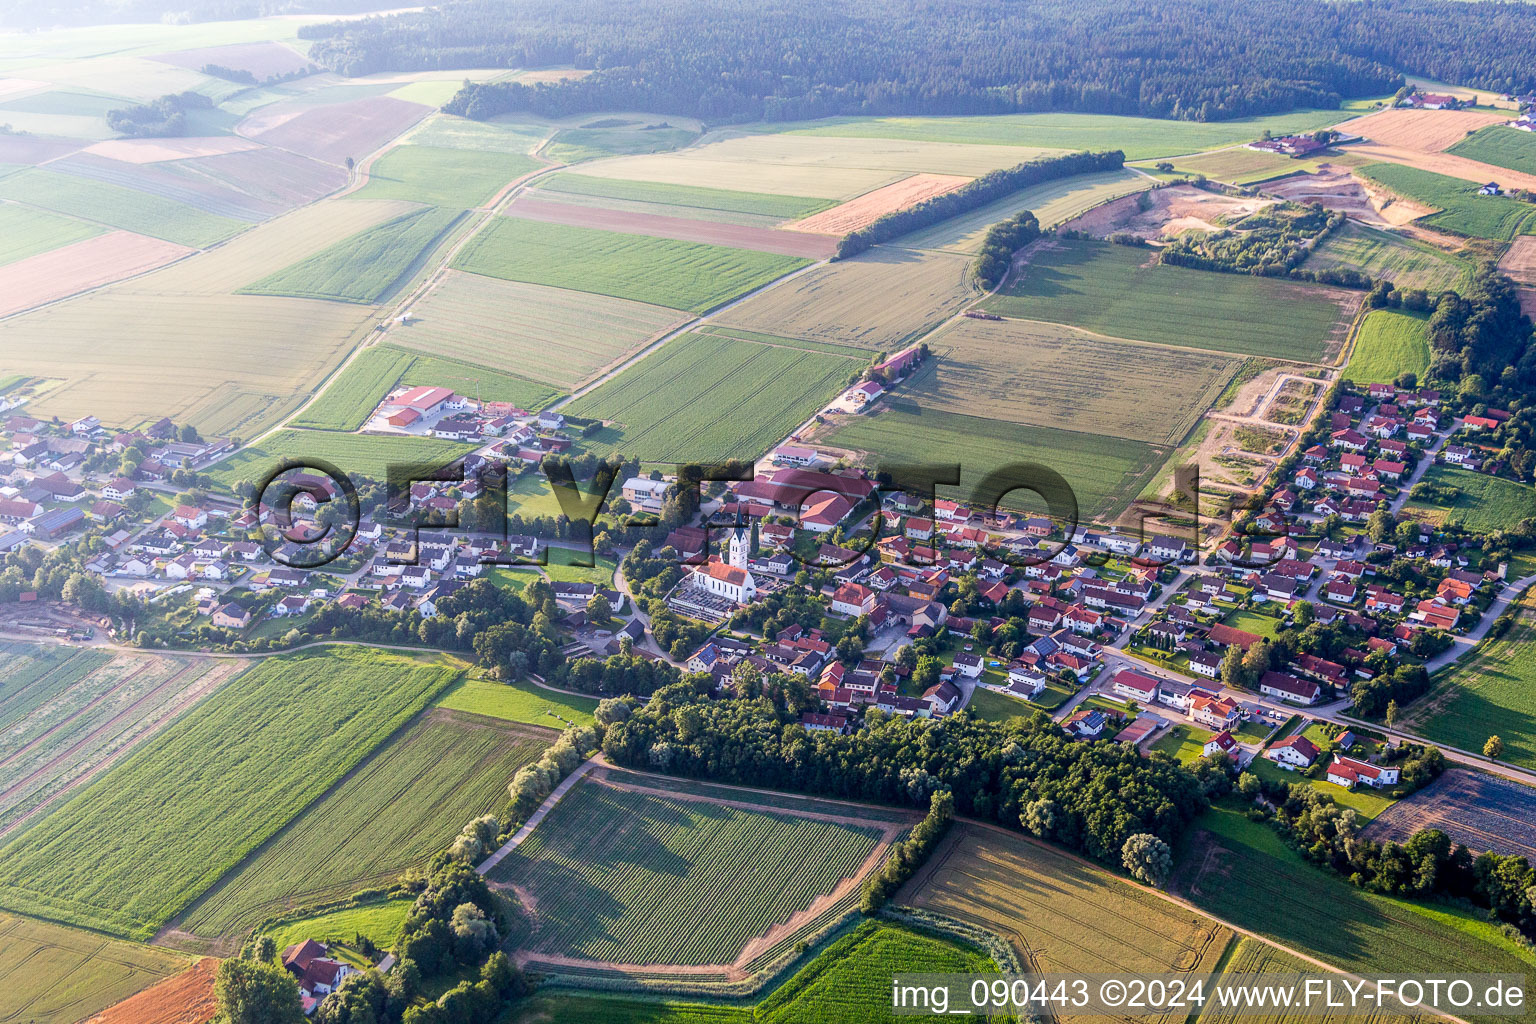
point(732, 60)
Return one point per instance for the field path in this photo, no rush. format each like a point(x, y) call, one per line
point(485, 867)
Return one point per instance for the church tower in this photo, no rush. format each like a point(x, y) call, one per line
point(740, 548)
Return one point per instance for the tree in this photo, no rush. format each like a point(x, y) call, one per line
point(1147, 858)
point(1248, 785)
point(1494, 748)
point(598, 610)
point(1391, 714)
point(256, 992)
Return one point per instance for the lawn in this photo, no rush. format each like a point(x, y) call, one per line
point(118, 207)
point(1486, 503)
point(1118, 290)
point(1490, 692)
point(55, 975)
point(707, 398)
point(649, 876)
point(519, 701)
point(991, 706)
point(1462, 209)
point(1389, 344)
point(360, 456)
point(1365, 801)
point(563, 567)
point(160, 827)
point(1184, 743)
point(1500, 146)
point(1252, 622)
point(1241, 871)
point(1105, 473)
point(679, 275)
point(691, 197)
point(1383, 254)
point(456, 178)
point(378, 921)
point(556, 336)
point(366, 268)
point(402, 805)
point(25, 231)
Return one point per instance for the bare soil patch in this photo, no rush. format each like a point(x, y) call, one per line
point(1519, 261)
point(1482, 812)
point(1170, 211)
point(786, 243)
point(1423, 131)
point(185, 999)
point(49, 276)
point(1336, 188)
point(871, 206)
point(153, 151)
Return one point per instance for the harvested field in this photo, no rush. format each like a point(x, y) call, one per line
point(186, 998)
point(630, 870)
point(878, 300)
point(1449, 164)
point(692, 198)
point(1170, 211)
point(1389, 343)
point(1052, 202)
point(394, 811)
point(119, 207)
point(835, 183)
point(153, 151)
point(1404, 261)
point(263, 60)
point(1241, 165)
point(1119, 291)
point(1422, 131)
point(1336, 188)
point(1060, 914)
point(1482, 812)
point(332, 133)
point(26, 232)
point(55, 975)
point(786, 242)
point(50, 276)
point(680, 275)
point(1050, 375)
point(1253, 956)
point(555, 336)
point(707, 398)
point(871, 206)
point(457, 178)
point(199, 797)
point(1519, 261)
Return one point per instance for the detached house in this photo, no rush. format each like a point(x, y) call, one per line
point(1293, 753)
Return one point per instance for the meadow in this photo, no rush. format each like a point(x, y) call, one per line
point(1389, 343)
point(25, 231)
point(1060, 914)
point(1462, 210)
point(564, 566)
point(366, 268)
point(616, 136)
point(1118, 290)
point(877, 301)
point(403, 804)
point(1238, 165)
point(55, 975)
point(643, 876)
point(1382, 254)
point(458, 179)
point(707, 398)
point(1052, 203)
point(1499, 146)
point(1050, 375)
point(119, 207)
point(690, 197)
point(378, 921)
point(680, 275)
point(159, 828)
point(1243, 872)
point(519, 701)
point(1252, 956)
point(365, 456)
point(1105, 473)
point(1490, 692)
point(555, 336)
point(1485, 504)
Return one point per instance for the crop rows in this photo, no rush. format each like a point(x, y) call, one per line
point(55, 975)
point(120, 207)
point(1381, 254)
point(449, 177)
point(1462, 210)
point(365, 456)
point(26, 232)
point(1250, 956)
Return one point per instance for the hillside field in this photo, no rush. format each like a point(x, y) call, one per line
point(1384, 254)
point(519, 701)
point(699, 198)
point(452, 178)
point(406, 802)
point(25, 231)
point(1120, 291)
point(1389, 343)
point(1462, 210)
point(680, 275)
point(1251, 956)
point(126, 208)
point(379, 921)
point(1052, 203)
point(55, 975)
point(1486, 503)
point(1501, 147)
point(161, 827)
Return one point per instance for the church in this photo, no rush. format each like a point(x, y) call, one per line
point(730, 579)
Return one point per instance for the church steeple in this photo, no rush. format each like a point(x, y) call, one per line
point(740, 546)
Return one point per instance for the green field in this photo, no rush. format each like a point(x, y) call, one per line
point(378, 921)
point(680, 275)
point(439, 176)
point(25, 232)
point(1388, 344)
point(1490, 692)
point(1254, 880)
point(1105, 473)
point(1052, 203)
point(688, 197)
point(616, 136)
point(55, 975)
point(366, 456)
point(706, 398)
point(499, 136)
point(1500, 146)
point(1462, 210)
point(357, 390)
point(366, 268)
point(650, 877)
point(159, 828)
point(1383, 254)
point(1117, 290)
point(406, 802)
point(118, 207)
point(1184, 743)
point(519, 701)
point(563, 567)
point(1486, 503)
point(1237, 165)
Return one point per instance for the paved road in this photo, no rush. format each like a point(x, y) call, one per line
point(1464, 644)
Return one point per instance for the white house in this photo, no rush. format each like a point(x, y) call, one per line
point(1293, 753)
point(1135, 686)
point(968, 665)
point(729, 581)
point(645, 493)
